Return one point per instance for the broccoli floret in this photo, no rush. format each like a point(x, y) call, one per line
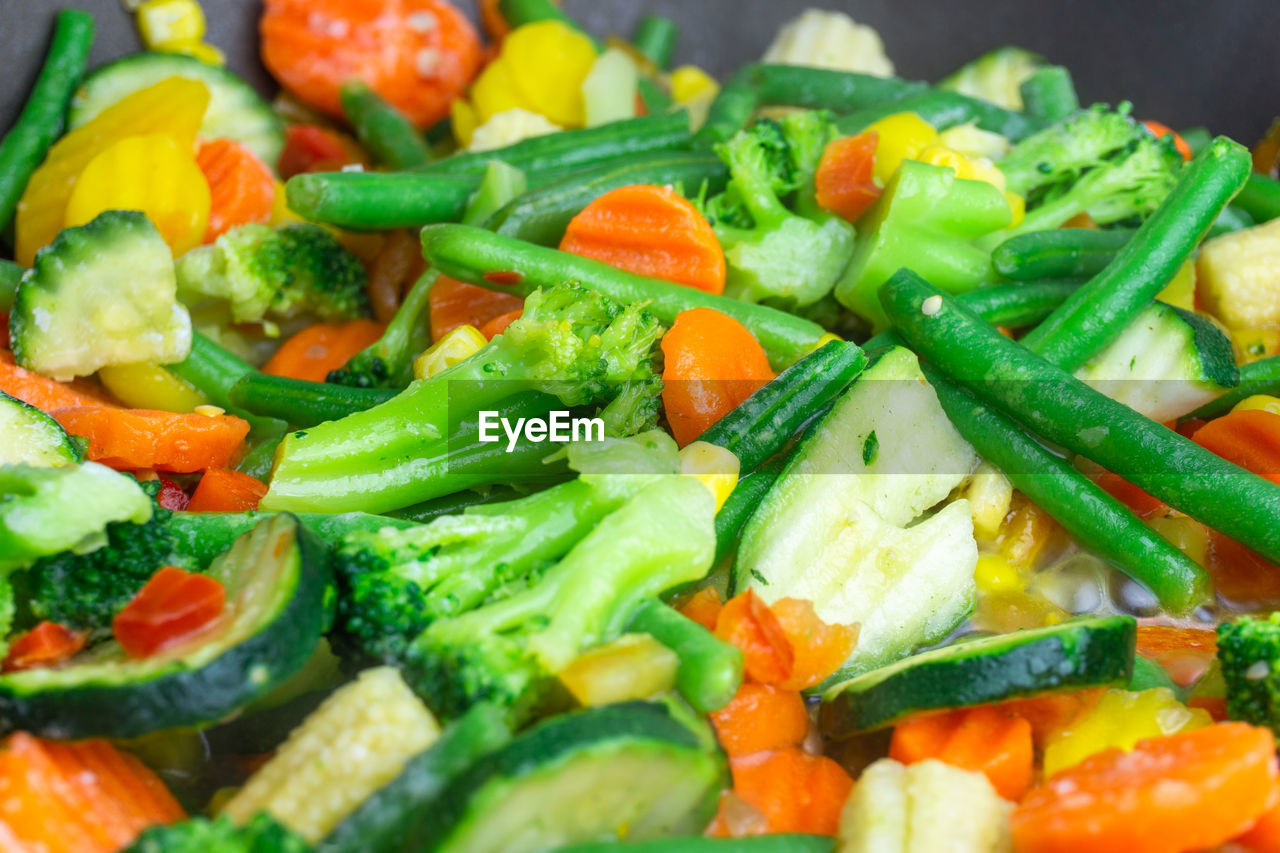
point(570, 342)
point(269, 274)
point(1249, 655)
point(393, 583)
point(775, 254)
point(508, 650)
point(197, 835)
point(1098, 161)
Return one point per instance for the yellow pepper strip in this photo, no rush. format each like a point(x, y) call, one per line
point(1181, 292)
point(715, 467)
point(150, 386)
point(634, 666)
point(995, 576)
point(1120, 720)
point(152, 174)
point(203, 51)
point(174, 107)
point(1259, 402)
point(161, 23)
point(461, 343)
point(495, 92)
point(902, 137)
point(548, 61)
point(463, 120)
point(280, 212)
point(690, 83)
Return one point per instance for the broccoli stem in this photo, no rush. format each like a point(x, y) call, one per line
point(199, 537)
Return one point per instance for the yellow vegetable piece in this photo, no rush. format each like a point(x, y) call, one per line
point(634, 666)
point(455, 346)
point(902, 136)
point(826, 339)
point(1018, 206)
point(1259, 402)
point(280, 212)
point(150, 386)
point(1120, 720)
point(1187, 535)
point(548, 62)
point(152, 174)
point(1181, 292)
point(203, 51)
point(1025, 533)
point(1253, 344)
point(463, 121)
point(164, 22)
point(690, 83)
point(714, 466)
point(994, 575)
point(174, 107)
point(495, 92)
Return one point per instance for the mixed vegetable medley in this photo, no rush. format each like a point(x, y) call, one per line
point(516, 444)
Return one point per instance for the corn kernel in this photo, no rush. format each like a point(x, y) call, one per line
point(1259, 403)
point(460, 343)
point(634, 666)
point(165, 22)
point(715, 467)
point(689, 83)
point(1120, 720)
point(902, 137)
point(993, 574)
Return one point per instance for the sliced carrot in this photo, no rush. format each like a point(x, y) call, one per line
point(242, 188)
point(986, 739)
point(418, 54)
point(1052, 712)
point(1188, 791)
point(1185, 653)
point(703, 607)
point(712, 363)
point(47, 644)
point(39, 806)
point(1249, 438)
point(820, 649)
point(128, 439)
point(748, 623)
point(321, 347)
point(172, 607)
point(1162, 130)
point(1142, 504)
point(794, 790)
point(499, 324)
point(311, 148)
point(651, 231)
point(1241, 576)
point(761, 717)
point(453, 303)
point(1264, 835)
point(226, 490)
point(844, 182)
point(39, 391)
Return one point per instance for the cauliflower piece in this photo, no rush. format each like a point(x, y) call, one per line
point(1239, 277)
point(509, 127)
point(975, 143)
point(823, 39)
point(927, 807)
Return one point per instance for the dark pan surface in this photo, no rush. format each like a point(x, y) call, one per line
point(1185, 62)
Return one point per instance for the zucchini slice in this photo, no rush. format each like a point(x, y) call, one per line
point(595, 775)
point(277, 581)
point(1092, 652)
point(29, 436)
point(996, 76)
point(235, 110)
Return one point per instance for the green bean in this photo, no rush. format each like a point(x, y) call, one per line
point(1049, 94)
point(377, 201)
point(1095, 314)
point(1050, 402)
point(655, 98)
point(1084, 509)
point(541, 215)
point(944, 109)
point(502, 263)
point(1260, 198)
point(41, 121)
point(390, 137)
point(10, 275)
point(301, 403)
point(741, 505)
point(730, 110)
point(824, 89)
point(1197, 138)
point(709, 670)
point(1059, 253)
point(655, 38)
point(1256, 377)
point(576, 148)
point(213, 371)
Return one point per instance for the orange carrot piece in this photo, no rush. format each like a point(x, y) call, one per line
point(844, 182)
point(761, 717)
point(319, 348)
point(1052, 712)
point(1249, 438)
point(703, 607)
point(499, 324)
point(242, 188)
point(1188, 791)
point(1264, 835)
point(712, 363)
point(1185, 653)
point(986, 739)
point(39, 391)
point(128, 439)
point(820, 649)
point(226, 490)
point(1241, 576)
point(174, 606)
point(47, 644)
point(38, 805)
point(748, 623)
point(311, 148)
point(651, 231)
point(1162, 130)
point(454, 303)
point(1142, 504)
point(418, 54)
point(794, 790)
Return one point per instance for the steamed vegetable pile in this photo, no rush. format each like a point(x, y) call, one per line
point(535, 447)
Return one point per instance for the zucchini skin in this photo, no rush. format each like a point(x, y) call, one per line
point(176, 696)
